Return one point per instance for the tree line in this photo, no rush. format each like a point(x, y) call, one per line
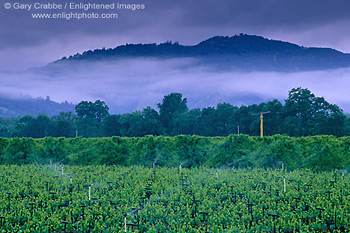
point(301, 114)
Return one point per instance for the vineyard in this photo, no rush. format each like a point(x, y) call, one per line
point(101, 198)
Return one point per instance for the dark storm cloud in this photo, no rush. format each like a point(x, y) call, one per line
point(184, 20)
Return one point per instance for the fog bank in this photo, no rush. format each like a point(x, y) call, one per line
point(129, 85)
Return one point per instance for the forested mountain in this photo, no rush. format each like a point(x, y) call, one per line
point(10, 107)
point(243, 52)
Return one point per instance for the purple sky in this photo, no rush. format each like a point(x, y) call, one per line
point(29, 42)
point(26, 42)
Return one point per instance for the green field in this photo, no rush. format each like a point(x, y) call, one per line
point(55, 198)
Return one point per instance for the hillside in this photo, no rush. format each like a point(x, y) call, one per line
point(243, 52)
point(10, 107)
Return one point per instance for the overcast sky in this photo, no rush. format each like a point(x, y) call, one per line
point(25, 41)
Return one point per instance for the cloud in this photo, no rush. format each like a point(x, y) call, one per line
point(308, 23)
point(128, 85)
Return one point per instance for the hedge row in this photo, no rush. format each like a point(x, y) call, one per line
point(316, 152)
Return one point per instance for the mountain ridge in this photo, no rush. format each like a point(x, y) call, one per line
point(245, 52)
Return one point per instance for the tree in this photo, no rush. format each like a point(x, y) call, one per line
point(7, 125)
point(186, 123)
point(131, 124)
point(248, 123)
point(151, 121)
point(171, 106)
point(226, 123)
point(88, 127)
point(63, 125)
point(97, 110)
point(111, 126)
point(90, 117)
point(35, 127)
point(40, 127)
point(140, 123)
point(207, 123)
point(305, 114)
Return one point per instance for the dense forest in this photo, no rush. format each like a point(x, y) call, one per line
point(301, 114)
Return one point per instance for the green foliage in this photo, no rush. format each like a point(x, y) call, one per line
point(111, 151)
point(63, 125)
point(172, 106)
point(112, 126)
point(311, 115)
point(191, 150)
point(36, 127)
point(18, 151)
point(99, 198)
point(235, 151)
point(90, 115)
point(3, 145)
point(303, 114)
point(88, 127)
point(53, 149)
point(97, 110)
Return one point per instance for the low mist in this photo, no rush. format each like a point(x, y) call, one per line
point(133, 84)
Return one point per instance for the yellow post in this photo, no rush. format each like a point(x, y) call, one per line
point(261, 125)
point(261, 122)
